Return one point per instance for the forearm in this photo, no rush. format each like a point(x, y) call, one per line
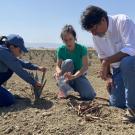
point(108, 66)
point(18, 69)
point(80, 72)
point(116, 58)
point(105, 64)
point(28, 65)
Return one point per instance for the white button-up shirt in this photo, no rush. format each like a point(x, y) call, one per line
point(120, 36)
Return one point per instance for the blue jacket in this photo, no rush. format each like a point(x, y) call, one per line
point(9, 61)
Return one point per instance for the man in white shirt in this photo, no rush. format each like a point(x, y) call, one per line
point(114, 41)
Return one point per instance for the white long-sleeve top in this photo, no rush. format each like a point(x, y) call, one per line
point(120, 36)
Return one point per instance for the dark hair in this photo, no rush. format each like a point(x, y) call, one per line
point(92, 16)
point(68, 29)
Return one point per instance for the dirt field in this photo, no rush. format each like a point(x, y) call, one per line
point(51, 116)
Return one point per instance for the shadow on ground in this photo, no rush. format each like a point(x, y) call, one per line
point(23, 103)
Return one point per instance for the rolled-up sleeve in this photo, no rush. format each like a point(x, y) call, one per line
point(127, 31)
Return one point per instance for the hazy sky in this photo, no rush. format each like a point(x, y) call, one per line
point(42, 20)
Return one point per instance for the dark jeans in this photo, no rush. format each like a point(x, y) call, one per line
point(80, 84)
point(123, 92)
point(6, 98)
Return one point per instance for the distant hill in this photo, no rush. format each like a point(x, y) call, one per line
point(42, 45)
point(45, 45)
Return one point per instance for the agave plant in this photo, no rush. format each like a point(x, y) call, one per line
point(38, 91)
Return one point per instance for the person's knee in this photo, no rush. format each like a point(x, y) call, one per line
point(6, 98)
point(88, 95)
point(11, 101)
point(67, 65)
point(68, 62)
point(127, 64)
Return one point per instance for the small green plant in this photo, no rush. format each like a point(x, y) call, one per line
point(38, 91)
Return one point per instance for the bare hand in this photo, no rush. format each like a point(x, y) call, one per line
point(68, 76)
point(57, 74)
point(105, 69)
point(38, 85)
point(42, 69)
point(109, 84)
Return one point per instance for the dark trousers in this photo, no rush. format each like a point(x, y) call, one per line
point(6, 98)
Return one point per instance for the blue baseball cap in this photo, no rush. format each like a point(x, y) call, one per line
point(18, 41)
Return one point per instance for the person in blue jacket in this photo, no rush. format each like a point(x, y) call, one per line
point(11, 47)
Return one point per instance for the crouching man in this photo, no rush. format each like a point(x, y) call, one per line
point(11, 47)
point(114, 40)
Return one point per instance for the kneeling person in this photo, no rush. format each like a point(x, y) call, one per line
point(72, 65)
point(10, 49)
